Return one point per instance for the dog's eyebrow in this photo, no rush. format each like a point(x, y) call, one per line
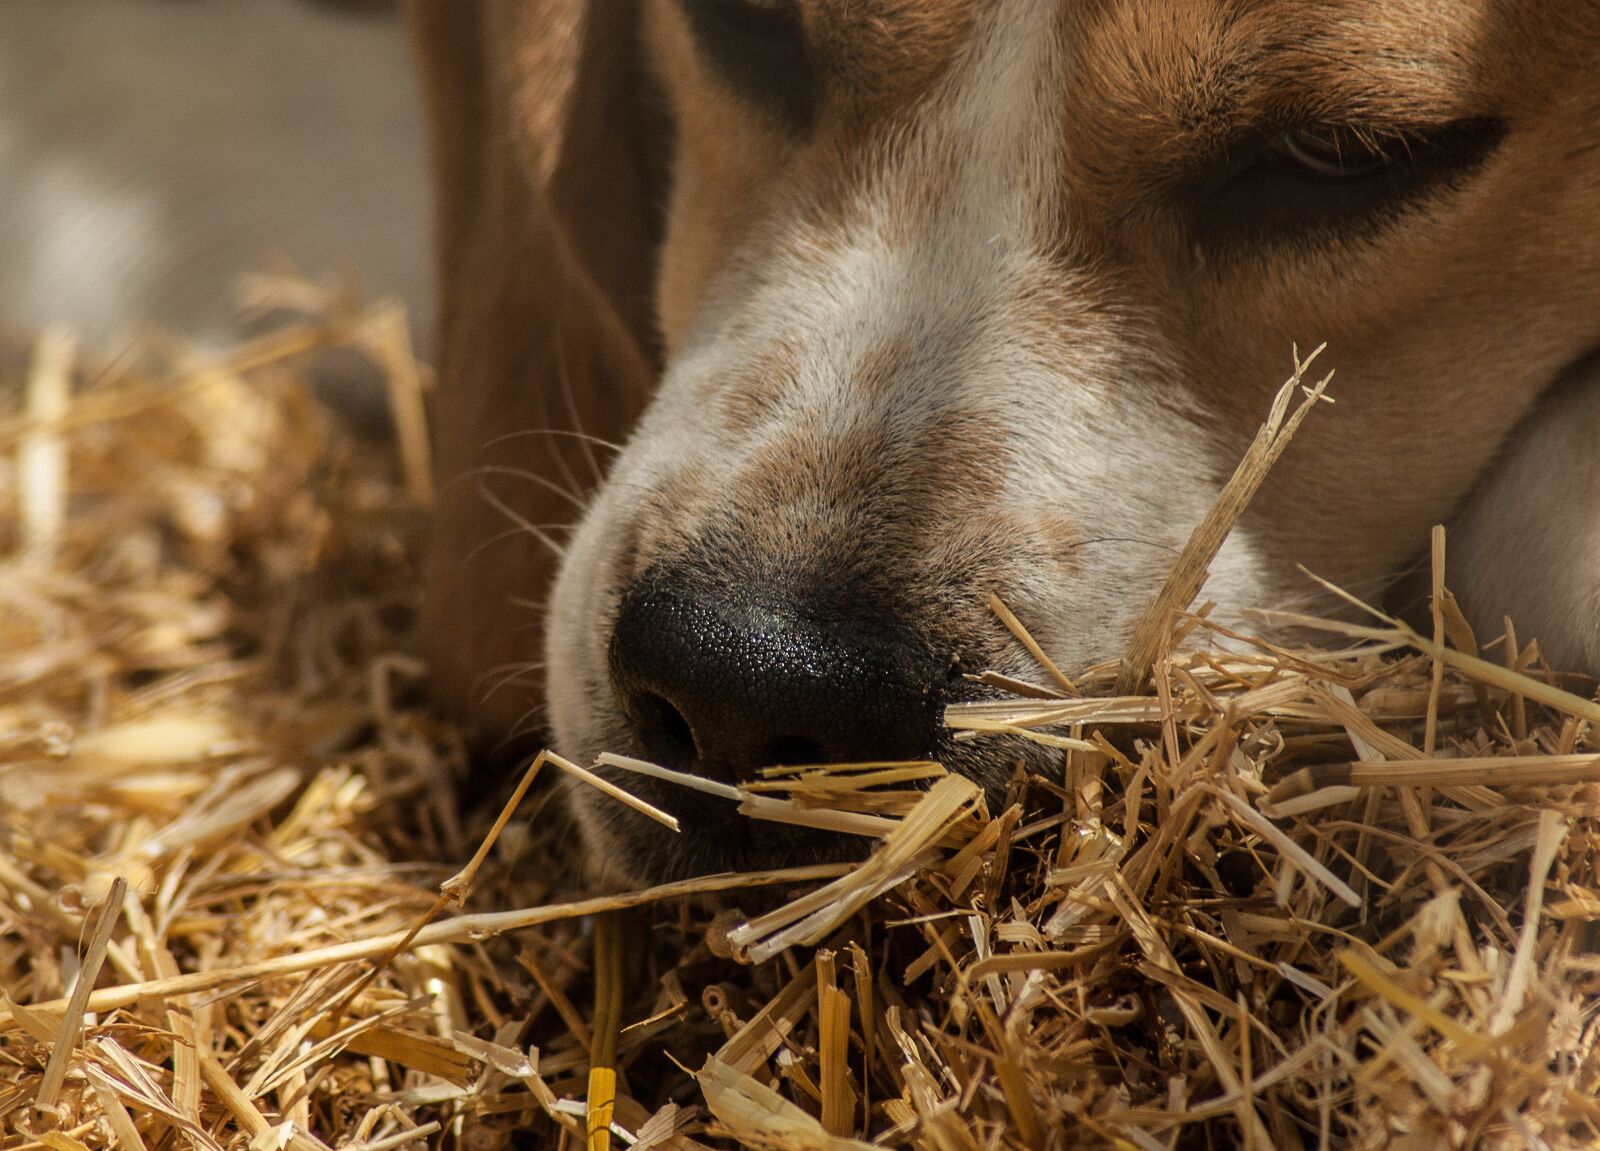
point(759, 49)
point(1392, 88)
point(1250, 70)
point(1259, 99)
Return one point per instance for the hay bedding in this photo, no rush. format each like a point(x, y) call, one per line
point(1340, 896)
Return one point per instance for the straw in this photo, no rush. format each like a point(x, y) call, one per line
point(1267, 891)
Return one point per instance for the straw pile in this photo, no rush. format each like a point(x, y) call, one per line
point(1339, 896)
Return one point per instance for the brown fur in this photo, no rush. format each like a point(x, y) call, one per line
point(554, 146)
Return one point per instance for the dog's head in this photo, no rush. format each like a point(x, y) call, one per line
point(956, 297)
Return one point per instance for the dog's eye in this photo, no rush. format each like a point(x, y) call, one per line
point(758, 47)
point(1313, 180)
point(1328, 153)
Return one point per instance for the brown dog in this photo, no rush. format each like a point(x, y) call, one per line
point(942, 297)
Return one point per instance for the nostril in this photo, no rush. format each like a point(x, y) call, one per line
point(792, 751)
point(667, 736)
point(722, 682)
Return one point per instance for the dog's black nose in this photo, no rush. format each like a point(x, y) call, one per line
point(724, 682)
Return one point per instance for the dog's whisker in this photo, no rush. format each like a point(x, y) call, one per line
point(535, 530)
point(515, 665)
point(569, 401)
point(578, 501)
point(536, 612)
point(543, 482)
point(512, 533)
point(567, 476)
point(507, 675)
point(514, 668)
point(526, 724)
point(555, 433)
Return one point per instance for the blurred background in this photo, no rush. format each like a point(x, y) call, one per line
point(151, 151)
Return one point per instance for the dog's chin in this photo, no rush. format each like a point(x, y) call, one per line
point(627, 848)
point(624, 848)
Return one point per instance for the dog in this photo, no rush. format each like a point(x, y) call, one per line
point(899, 303)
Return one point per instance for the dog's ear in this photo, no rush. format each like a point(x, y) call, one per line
point(546, 165)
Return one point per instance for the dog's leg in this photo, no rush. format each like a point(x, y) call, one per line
point(1527, 545)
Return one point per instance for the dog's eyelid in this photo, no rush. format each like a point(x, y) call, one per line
point(1299, 181)
point(1310, 135)
point(1338, 151)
